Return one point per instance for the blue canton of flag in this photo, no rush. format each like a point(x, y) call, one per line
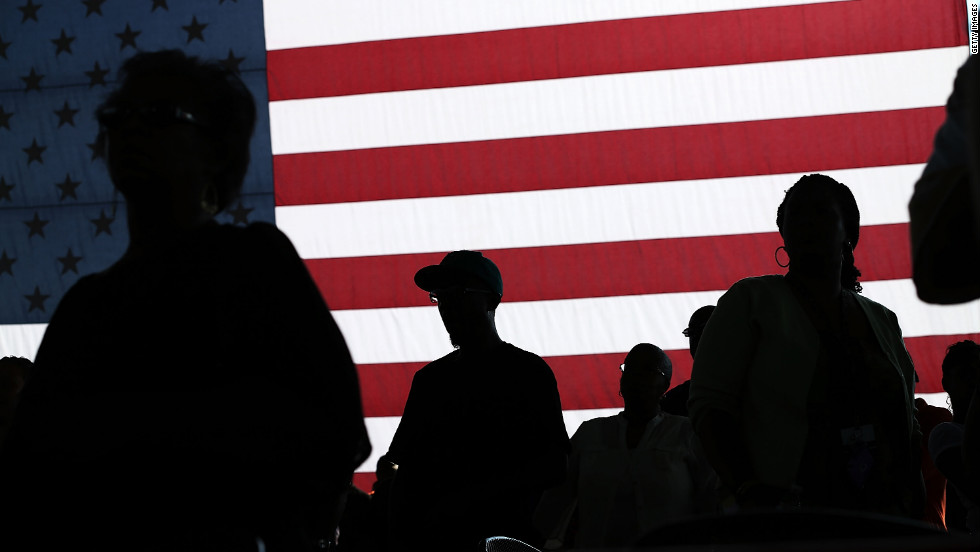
point(60, 217)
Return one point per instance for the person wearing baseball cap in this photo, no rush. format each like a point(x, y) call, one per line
point(467, 287)
point(482, 435)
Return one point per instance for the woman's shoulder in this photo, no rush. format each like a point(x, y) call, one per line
point(261, 229)
point(680, 426)
point(767, 281)
point(683, 423)
point(944, 437)
point(596, 426)
point(88, 287)
point(759, 286)
point(870, 303)
point(256, 240)
point(598, 434)
point(253, 232)
point(877, 313)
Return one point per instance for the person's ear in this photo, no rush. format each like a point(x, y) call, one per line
point(209, 199)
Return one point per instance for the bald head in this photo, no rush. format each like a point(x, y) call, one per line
point(647, 357)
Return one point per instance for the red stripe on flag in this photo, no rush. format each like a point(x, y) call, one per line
point(618, 46)
point(666, 154)
point(365, 480)
point(927, 353)
point(620, 268)
point(592, 381)
point(584, 381)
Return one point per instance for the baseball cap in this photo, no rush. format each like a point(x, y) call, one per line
point(456, 267)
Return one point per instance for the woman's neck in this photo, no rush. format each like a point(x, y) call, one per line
point(820, 285)
point(150, 231)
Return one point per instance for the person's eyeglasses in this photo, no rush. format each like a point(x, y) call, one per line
point(159, 114)
point(454, 292)
point(699, 328)
point(622, 368)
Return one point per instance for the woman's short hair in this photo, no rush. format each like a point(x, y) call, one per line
point(962, 354)
point(230, 109)
point(849, 210)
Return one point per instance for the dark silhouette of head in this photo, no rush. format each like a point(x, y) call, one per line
point(961, 370)
point(14, 372)
point(695, 326)
point(467, 287)
point(646, 377)
point(173, 109)
point(819, 220)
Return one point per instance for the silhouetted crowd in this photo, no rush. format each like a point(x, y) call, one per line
point(198, 394)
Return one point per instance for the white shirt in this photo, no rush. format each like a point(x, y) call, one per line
point(624, 493)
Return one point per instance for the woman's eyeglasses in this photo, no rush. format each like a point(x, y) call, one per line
point(622, 368)
point(159, 114)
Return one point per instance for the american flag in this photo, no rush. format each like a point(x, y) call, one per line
point(621, 162)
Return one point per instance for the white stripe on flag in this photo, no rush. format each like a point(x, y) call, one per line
point(704, 95)
point(21, 340)
point(724, 206)
point(935, 399)
point(569, 326)
point(303, 23)
point(604, 324)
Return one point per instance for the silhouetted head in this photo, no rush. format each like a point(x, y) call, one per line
point(961, 368)
point(14, 372)
point(820, 224)
point(695, 326)
point(177, 129)
point(467, 287)
point(645, 379)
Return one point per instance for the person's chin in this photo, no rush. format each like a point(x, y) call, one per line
point(457, 339)
point(132, 178)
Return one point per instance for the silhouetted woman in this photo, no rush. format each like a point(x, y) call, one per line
point(961, 375)
point(197, 394)
point(802, 389)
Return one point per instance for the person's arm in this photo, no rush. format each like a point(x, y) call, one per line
point(539, 432)
point(950, 462)
point(717, 381)
point(312, 393)
point(946, 445)
point(704, 479)
point(406, 434)
point(971, 447)
point(944, 212)
point(550, 468)
point(914, 481)
point(555, 516)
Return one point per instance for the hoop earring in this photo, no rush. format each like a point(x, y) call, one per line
point(209, 201)
point(776, 255)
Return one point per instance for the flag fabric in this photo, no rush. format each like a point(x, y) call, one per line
point(59, 215)
point(621, 162)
